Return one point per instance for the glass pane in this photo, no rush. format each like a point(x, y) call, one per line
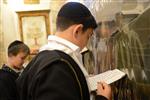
point(121, 41)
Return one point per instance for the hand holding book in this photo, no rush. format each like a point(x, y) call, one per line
point(104, 90)
point(108, 77)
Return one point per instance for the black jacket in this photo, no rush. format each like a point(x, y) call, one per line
point(8, 89)
point(53, 75)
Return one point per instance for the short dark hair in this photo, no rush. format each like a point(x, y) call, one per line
point(74, 13)
point(17, 46)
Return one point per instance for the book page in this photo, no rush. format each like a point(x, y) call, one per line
point(108, 77)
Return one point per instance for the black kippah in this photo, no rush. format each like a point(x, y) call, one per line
point(77, 13)
point(74, 10)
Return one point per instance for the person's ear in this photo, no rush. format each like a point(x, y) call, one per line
point(10, 55)
point(78, 29)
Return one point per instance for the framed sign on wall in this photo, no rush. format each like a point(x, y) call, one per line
point(34, 28)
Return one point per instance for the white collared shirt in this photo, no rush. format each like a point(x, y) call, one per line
point(58, 43)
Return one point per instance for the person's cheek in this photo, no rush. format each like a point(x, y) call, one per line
point(19, 62)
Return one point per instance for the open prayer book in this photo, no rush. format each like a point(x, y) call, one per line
point(109, 77)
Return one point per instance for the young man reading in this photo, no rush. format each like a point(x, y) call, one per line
point(17, 52)
point(57, 73)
